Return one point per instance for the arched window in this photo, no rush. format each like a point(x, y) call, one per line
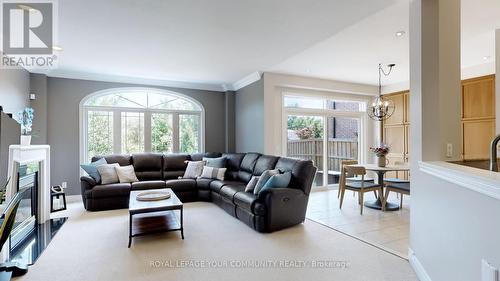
point(131, 120)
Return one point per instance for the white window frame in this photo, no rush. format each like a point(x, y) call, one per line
point(325, 114)
point(117, 111)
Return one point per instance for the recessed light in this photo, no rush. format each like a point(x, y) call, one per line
point(400, 33)
point(57, 48)
point(486, 57)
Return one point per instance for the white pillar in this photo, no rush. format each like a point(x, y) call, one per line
point(435, 97)
point(497, 79)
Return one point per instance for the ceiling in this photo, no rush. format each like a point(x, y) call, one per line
point(214, 44)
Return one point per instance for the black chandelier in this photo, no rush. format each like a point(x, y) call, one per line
point(380, 108)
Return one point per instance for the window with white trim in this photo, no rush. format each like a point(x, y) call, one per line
point(140, 120)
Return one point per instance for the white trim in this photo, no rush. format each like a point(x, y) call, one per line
point(117, 114)
point(245, 81)
point(417, 266)
point(482, 181)
point(139, 81)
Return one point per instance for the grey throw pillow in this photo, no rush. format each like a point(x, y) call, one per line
point(215, 162)
point(213, 173)
point(91, 169)
point(108, 173)
point(263, 179)
point(126, 174)
point(251, 184)
point(194, 169)
point(278, 181)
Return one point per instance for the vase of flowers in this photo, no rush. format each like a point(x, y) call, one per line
point(25, 119)
point(381, 152)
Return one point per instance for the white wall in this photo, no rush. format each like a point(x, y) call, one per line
point(274, 86)
point(14, 89)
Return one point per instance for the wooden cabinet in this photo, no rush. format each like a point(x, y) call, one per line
point(478, 121)
point(478, 116)
point(395, 133)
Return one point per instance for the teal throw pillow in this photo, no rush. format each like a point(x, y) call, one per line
point(278, 181)
point(266, 175)
point(215, 162)
point(91, 169)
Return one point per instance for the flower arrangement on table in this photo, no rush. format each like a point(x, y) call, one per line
point(381, 151)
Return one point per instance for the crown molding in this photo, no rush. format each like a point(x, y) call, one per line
point(137, 81)
point(245, 81)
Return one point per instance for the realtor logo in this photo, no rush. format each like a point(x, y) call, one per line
point(27, 33)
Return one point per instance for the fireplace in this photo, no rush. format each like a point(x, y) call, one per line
point(25, 221)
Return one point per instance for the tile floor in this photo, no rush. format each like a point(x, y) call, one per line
point(388, 230)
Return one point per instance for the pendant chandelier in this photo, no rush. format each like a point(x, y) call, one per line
point(381, 108)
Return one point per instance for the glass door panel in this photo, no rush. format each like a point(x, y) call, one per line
point(305, 141)
point(132, 132)
point(343, 144)
point(162, 136)
point(99, 133)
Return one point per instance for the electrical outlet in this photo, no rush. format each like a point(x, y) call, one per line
point(449, 150)
point(488, 272)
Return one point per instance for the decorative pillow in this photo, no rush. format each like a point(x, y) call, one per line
point(126, 174)
point(108, 173)
point(91, 169)
point(263, 179)
point(215, 162)
point(194, 169)
point(251, 184)
point(213, 173)
point(278, 181)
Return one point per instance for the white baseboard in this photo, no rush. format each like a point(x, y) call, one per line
point(73, 198)
point(417, 266)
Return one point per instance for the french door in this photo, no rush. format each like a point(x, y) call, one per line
point(326, 138)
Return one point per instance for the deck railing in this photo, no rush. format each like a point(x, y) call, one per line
point(312, 149)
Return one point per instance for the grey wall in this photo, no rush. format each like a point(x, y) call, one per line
point(230, 122)
point(249, 117)
point(14, 87)
point(38, 86)
point(63, 99)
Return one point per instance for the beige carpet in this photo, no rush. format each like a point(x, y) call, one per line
point(93, 246)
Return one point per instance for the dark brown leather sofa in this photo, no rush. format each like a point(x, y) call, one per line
point(271, 210)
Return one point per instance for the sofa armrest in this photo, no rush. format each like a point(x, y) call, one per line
point(285, 207)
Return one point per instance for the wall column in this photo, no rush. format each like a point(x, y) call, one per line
point(230, 123)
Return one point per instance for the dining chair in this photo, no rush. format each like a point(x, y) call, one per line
point(401, 188)
point(351, 178)
point(397, 179)
point(360, 187)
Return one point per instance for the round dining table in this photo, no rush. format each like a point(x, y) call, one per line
point(380, 171)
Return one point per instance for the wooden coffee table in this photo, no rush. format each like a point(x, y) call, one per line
point(148, 217)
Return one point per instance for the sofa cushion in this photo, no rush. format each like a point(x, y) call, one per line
point(200, 156)
point(219, 162)
point(302, 172)
point(203, 184)
point(228, 191)
point(142, 185)
point(247, 165)
point(148, 166)
point(193, 169)
point(174, 165)
point(264, 163)
point(91, 169)
point(109, 190)
point(263, 180)
point(122, 159)
point(216, 185)
point(181, 185)
point(248, 201)
point(126, 174)
point(233, 162)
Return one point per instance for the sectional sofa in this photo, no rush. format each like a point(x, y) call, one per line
point(271, 210)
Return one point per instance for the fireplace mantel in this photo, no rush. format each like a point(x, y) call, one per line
point(19, 155)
